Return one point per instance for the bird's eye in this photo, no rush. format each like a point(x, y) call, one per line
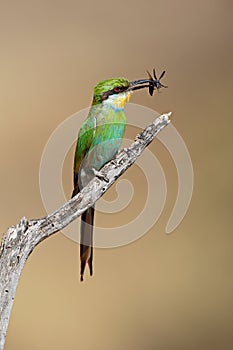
point(117, 89)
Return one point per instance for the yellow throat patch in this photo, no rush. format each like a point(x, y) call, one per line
point(120, 100)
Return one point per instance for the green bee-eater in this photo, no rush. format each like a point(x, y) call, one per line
point(99, 139)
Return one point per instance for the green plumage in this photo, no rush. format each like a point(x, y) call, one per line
point(99, 139)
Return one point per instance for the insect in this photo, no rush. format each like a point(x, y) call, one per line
point(151, 83)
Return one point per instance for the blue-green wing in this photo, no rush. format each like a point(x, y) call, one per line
point(85, 138)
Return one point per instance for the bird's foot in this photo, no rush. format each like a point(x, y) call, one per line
point(99, 175)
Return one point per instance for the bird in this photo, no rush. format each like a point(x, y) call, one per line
point(99, 140)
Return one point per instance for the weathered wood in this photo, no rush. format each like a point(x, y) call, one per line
point(19, 241)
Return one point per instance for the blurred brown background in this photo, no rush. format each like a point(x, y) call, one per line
point(160, 292)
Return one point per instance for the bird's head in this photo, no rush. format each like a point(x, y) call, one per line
point(115, 91)
point(119, 90)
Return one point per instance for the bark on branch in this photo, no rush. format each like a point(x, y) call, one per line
point(19, 241)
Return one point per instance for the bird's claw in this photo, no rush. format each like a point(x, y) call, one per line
point(99, 175)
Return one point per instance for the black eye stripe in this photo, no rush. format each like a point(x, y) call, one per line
point(116, 90)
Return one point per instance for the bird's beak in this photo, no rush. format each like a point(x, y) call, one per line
point(150, 83)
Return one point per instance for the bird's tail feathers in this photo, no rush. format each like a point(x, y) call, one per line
point(86, 243)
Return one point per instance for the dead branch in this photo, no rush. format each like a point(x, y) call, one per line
point(19, 241)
